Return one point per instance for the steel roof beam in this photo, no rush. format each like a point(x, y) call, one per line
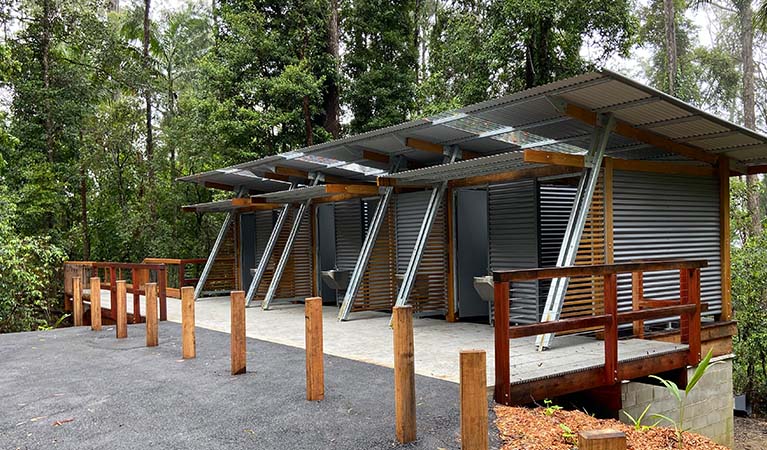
point(579, 213)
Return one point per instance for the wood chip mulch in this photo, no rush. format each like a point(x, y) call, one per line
point(531, 429)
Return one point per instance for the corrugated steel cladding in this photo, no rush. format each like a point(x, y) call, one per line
point(667, 216)
point(349, 229)
point(513, 241)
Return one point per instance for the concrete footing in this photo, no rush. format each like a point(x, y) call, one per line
point(708, 410)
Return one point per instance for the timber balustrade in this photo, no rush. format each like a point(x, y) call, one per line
point(109, 273)
point(687, 308)
point(177, 273)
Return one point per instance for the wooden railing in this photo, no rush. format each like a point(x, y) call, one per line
point(176, 274)
point(687, 307)
point(110, 272)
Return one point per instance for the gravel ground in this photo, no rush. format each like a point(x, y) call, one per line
point(750, 434)
point(78, 389)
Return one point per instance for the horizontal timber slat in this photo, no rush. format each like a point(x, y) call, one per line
point(598, 269)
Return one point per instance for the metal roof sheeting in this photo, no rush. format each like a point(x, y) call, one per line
point(508, 123)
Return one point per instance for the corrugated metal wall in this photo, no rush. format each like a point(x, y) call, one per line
point(349, 233)
point(513, 241)
point(429, 293)
point(667, 216)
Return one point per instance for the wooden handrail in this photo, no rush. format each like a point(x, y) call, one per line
point(559, 326)
point(545, 273)
point(687, 308)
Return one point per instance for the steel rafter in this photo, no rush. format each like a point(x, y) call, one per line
point(272, 291)
point(437, 193)
point(367, 249)
point(267, 255)
point(575, 224)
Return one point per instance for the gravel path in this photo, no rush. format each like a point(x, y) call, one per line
point(77, 389)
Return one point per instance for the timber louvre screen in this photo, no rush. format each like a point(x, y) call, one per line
point(296, 281)
point(667, 216)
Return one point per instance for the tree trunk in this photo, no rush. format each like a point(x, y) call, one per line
point(45, 60)
point(308, 122)
point(332, 103)
point(749, 118)
point(84, 213)
point(669, 15)
point(148, 96)
point(114, 5)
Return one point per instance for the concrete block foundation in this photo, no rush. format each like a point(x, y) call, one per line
point(708, 409)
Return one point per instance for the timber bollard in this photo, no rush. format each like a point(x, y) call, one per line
point(404, 374)
point(238, 332)
point(473, 400)
point(95, 304)
point(151, 314)
point(601, 440)
point(77, 301)
point(188, 345)
point(315, 371)
point(120, 307)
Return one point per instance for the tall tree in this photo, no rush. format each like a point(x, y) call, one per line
point(332, 101)
point(148, 92)
point(380, 62)
point(536, 42)
point(669, 14)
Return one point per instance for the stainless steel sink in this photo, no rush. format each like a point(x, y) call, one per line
point(485, 287)
point(337, 279)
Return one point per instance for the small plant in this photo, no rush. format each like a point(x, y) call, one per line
point(550, 408)
point(567, 434)
point(682, 400)
point(638, 426)
point(47, 327)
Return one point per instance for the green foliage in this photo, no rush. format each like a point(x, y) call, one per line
point(29, 266)
point(681, 396)
point(637, 422)
point(567, 434)
point(550, 408)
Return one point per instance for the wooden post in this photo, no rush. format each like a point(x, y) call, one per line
point(112, 292)
point(238, 332)
point(404, 374)
point(136, 278)
point(473, 400)
point(120, 307)
point(611, 329)
point(188, 345)
point(162, 281)
point(601, 440)
point(501, 324)
point(724, 236)
point(315, 371)
point(150, 290)
point(95, 304)
point(637, 295)
point(689, 324)
point(77, 300)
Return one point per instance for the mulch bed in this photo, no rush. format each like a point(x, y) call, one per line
point(533, 429)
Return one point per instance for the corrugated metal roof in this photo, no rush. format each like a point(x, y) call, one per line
point(294, 195)
point(508, 124)
point(503, 162)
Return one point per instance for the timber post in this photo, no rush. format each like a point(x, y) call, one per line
point(237, 318)
point(404, 374)
point(151, 314)
point(188, 345)
point(315, 371)
point(473, 400)
point(602, 440)
point(95, 304)
point(120, 307)
point(501, 330)
point(77, 300)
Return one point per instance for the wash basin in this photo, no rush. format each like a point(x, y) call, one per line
point(337, 279)
point(485, 287)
